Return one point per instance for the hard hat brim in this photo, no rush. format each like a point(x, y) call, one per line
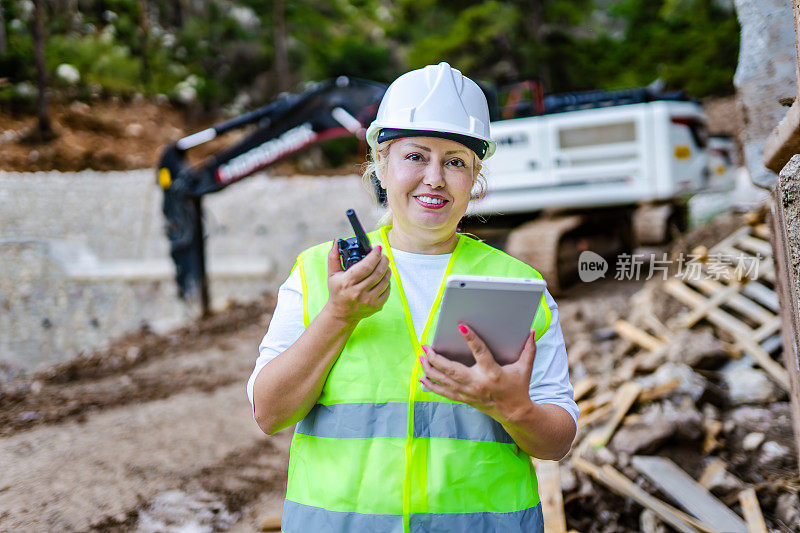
point(479, 146)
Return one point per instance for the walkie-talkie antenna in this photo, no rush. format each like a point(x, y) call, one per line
point(363, 241)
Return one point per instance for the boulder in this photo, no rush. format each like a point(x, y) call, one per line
point(691, 383)
point(764, 75)
point(658, 423)
point(749, 385)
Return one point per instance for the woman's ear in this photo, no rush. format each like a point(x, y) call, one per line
point(380, 161)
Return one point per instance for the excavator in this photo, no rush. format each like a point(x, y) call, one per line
point(599, 170)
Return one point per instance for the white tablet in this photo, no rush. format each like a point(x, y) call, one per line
point(499, 310)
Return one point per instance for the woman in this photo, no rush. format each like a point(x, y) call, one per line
point(390, 435)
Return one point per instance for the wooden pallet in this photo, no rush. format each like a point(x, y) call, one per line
point(746, 307)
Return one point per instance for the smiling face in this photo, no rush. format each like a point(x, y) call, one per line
point(428, 182)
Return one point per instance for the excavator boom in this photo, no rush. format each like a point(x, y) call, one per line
point(333, 108)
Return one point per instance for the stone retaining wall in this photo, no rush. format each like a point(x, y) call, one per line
point(83, 258)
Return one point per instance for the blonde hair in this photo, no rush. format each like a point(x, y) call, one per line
point(374, 168)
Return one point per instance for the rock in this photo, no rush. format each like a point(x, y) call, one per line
point(749, 385)
point(569, 481)
point(605, 456)
point(773, 454)
point(787, 510)
point(604, 334)
point(134, 130)
point(68, 73)
point(752, 441)
point(691, 383)
point(765, 73)
point(176, 510)
point(752, 418)
point(723, 483)
point(658, 423)
point(698, 348)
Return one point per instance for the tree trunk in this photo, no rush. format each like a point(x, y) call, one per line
point(3, 48)
point(537, 30)
point(145, 34)
point(45, 128)
point(281, 50)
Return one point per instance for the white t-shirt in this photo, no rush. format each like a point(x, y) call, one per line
point(421, 276)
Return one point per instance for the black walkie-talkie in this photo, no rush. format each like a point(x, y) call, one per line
point(354, 249)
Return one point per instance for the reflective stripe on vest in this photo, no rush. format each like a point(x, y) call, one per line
point(389, 420)
point(299, 517)
point(377, 448)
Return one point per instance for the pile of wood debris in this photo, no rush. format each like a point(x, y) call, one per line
point(685, 422)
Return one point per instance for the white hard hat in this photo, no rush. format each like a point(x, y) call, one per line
point(434, 101)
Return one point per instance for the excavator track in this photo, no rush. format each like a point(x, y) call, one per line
point(539, 244)
point(553, 243)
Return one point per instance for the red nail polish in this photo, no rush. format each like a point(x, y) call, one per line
point(420, 359)
point(424, 349)
point(380, 248)
point(463, 329)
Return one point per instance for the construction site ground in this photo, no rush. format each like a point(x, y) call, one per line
point(96, 443)
point(155, 433)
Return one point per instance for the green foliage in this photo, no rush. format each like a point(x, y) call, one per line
point(99, 58)
point(228, 46)
point(473, 41)
point(690, 44)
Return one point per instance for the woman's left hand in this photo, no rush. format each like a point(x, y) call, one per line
point(498, 391)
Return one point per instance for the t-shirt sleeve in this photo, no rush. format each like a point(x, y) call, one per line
point(550, 378)
point(285, 327)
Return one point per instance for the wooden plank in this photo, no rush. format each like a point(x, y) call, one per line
point(712, 469)
point(752, 511)
point(712, 429)
point(590, 404)
point(785, 237)
point(758, 246)
point(582, 387)
point(620, 484)
point(690, 495)
point(767, 329)
point(549, 479)
point(763, 295)
point(784, 141)
point(271, 523)
point(738, 329)
point(598, 414)
point(716, 299)
point(763, 270)
point(735, 301)
point(762, 231)
point(626, 330)
point(668, 513)
point(659, 391)
point(731, 239)
point(661, 331)
point(623, 400)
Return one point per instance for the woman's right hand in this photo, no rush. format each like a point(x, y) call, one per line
point(359, 291)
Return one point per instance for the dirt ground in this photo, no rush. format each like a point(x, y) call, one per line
point(117, 134)
point(102, 442)
point(87, 445)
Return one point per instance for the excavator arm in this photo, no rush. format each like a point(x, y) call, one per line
point(333, 108)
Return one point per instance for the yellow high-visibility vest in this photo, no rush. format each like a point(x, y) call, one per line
point(377, 452)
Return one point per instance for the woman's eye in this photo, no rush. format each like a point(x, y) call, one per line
point(457, 163)
point(414, 157)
